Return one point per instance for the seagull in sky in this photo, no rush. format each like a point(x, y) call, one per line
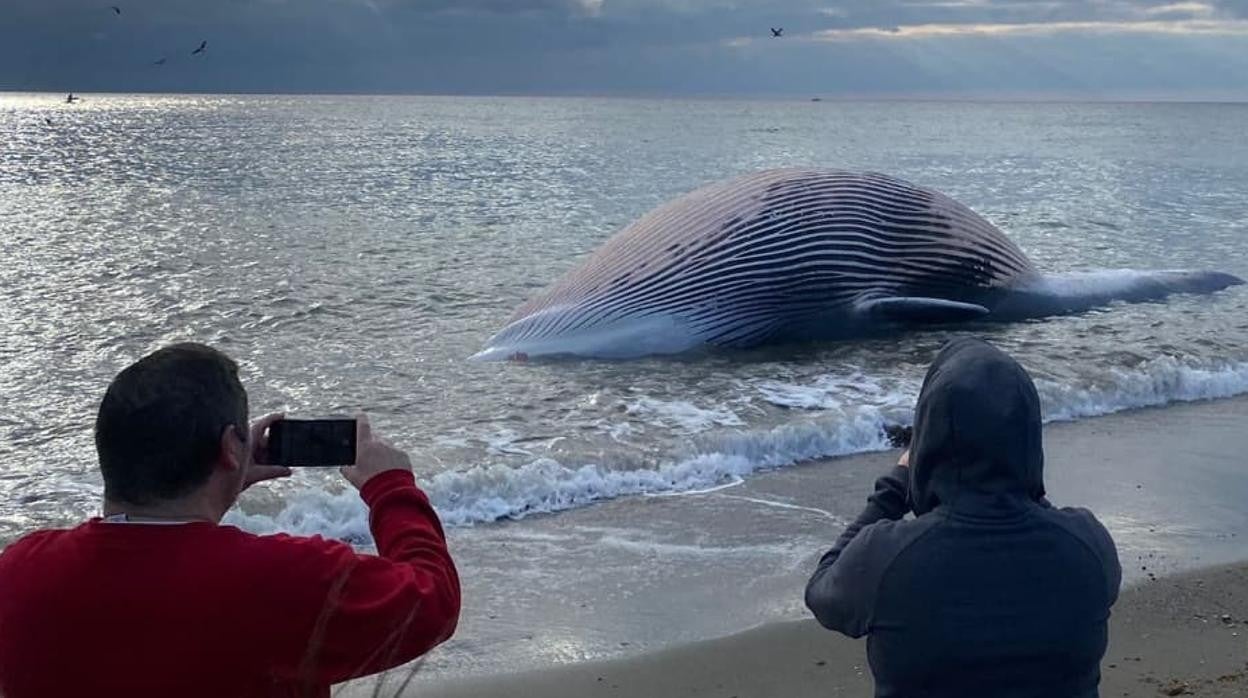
point(775, 33)
point(116, 9)
point(160, 61)
point(202, 45)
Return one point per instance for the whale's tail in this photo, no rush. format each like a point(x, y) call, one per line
point(1060, 294)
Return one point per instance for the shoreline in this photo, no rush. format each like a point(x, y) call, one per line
point(637, 579)
point(1181, 635)
point(640, 575)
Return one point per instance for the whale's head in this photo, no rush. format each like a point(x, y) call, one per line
point(575, 330)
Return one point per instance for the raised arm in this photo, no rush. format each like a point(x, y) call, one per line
point(374, 612)
point(842, 590)
point(392, 607)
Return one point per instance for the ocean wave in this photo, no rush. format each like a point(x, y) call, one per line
point(491, 492)
point(843, 425)
point(1154, 383)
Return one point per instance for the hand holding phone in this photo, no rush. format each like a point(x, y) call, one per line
point(373, 456)
point(898, 435)
point(260, 470)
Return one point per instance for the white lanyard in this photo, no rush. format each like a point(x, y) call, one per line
point(124, 518)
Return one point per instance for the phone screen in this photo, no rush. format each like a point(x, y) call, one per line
point(312, 442)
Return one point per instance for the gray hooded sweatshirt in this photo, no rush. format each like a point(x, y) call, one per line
point(989, 591)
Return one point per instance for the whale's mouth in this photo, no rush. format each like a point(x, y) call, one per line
point(617, 338)
point(499, 354)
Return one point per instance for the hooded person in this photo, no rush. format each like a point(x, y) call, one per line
point(988, 590)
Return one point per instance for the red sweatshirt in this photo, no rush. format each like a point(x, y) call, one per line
point(198, 609)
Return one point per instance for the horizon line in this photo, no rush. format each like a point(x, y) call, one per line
point(1038, 97)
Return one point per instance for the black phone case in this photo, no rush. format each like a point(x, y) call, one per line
point(312, 442)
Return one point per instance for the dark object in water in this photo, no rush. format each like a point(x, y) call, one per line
point(899, 436)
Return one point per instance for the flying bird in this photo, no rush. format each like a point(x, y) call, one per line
point(160, 61)
point(202, 45)
point(775, 33)
point(116, 9)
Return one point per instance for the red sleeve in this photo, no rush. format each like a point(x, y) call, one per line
point(383, 610)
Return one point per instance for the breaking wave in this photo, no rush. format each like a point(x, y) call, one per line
point(839, 415)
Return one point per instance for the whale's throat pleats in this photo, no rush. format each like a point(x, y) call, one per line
point(738, 260)
point(800, 254)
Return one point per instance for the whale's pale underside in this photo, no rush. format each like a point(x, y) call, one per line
point(800, 255)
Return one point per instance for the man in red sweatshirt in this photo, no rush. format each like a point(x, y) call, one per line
point(156, 598)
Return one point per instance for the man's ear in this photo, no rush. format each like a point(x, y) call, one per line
point(232, 446)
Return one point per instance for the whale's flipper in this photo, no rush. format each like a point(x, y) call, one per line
point(917, 309)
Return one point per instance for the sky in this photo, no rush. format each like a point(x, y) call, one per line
point(1083, 49)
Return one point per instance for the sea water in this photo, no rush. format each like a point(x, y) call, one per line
point(352, 252)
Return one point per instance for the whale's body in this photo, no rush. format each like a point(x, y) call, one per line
point(800, 255)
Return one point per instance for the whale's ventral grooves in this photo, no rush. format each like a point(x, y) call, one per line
point(780, 255)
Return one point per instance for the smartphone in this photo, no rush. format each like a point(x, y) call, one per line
point(312, 442)
point(898, 435)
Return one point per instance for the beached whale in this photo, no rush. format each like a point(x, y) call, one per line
point(799, 255)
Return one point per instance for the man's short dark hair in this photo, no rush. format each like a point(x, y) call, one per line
point(159, 427)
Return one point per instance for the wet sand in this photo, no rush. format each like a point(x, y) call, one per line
point(1186, 635)
point(659, 576)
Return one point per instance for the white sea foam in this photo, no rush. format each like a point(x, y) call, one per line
point(503, 442)
point(491, 492)
point(682, 415)
point(1157, 382)
point(843, 392)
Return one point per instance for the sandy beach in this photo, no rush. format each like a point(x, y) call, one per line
point(701, 595)
point(1186, 635)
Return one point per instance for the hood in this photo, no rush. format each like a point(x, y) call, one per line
point(976, 431)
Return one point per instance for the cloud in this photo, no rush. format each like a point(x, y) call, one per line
point(855, 20)
point(927, 31)
point(851, 14)
point(607, 46)
point(1188, 9)
point(592, 7)
point(497, 7)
